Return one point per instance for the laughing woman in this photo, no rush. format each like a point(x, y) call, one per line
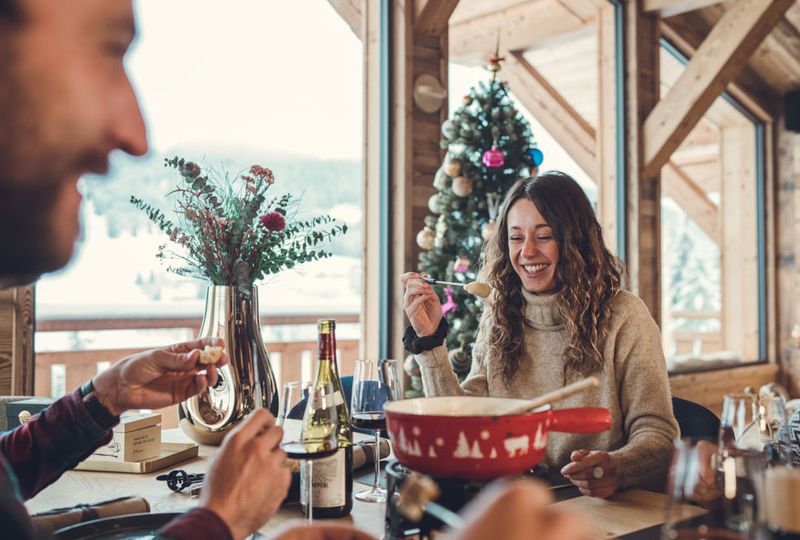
point(557, 314)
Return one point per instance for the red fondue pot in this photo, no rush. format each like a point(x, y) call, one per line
point(460, 437)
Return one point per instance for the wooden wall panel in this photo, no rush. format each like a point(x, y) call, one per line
point(16, 341)
point(787, 238)
point(709, 387)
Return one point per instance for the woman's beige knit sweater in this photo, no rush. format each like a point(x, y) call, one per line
point(633, 385)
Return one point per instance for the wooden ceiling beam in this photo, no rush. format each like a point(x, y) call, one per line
point(793, 16)
point(557, 116)
point(677, 185)
point(668, 8)
point(748, 88)
point(350, 11)
point(519, 27)
point(578, 138)
point(728, 46)
point(431, 16)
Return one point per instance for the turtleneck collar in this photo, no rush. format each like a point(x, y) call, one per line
point(541, 311)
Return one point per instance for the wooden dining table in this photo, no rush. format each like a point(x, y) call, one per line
point(629, 515)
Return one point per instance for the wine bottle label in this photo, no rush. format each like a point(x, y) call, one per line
point(324, 402)
point(327, 481)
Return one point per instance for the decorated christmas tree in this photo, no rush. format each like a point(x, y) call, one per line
point(489, 146)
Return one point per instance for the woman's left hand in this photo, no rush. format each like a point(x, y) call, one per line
point(593, 472)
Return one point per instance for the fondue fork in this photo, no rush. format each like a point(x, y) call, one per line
point(477, 288)
point(555, 395)
point(417, 494)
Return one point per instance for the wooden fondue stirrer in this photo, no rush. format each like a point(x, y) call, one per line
point(555, 395)
point(417, 494)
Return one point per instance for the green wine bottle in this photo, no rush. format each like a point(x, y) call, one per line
point(332, 479)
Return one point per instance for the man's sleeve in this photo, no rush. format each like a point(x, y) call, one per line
point(197, 524)
point(56, 440)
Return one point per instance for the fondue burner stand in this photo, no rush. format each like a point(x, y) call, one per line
point(454, 495)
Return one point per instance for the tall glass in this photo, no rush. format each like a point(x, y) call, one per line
point(740, 426)
point(735, 509)
point(317, 437)
point(374, 383)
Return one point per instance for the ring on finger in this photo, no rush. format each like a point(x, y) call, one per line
point(598, 472)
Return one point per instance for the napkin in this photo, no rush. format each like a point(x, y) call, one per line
point(45, 523)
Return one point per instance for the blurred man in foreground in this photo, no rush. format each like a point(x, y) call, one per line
point(66, 103)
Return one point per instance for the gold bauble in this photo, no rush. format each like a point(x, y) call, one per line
point(452, 167)
point(487, 231)
point(425, 239)
point(462, 186)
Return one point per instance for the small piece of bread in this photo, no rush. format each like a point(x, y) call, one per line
point(210, 355)
point(478, 289)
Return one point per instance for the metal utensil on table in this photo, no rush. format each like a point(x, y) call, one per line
point(477, 288)
point(555, 395)
point(416, 498)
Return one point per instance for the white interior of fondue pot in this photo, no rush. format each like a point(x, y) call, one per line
point(455, 406)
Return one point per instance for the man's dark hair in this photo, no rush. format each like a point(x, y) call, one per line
point(9, 11)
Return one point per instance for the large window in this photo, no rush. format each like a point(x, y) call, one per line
point(273, 83)
point(710, 215)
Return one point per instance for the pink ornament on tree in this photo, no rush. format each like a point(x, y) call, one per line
point(494, 158)
point(450, 305)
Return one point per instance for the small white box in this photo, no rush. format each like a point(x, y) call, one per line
point(135, 438)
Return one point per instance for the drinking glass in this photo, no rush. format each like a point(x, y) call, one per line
point(735, 509)
point(318, 437)
point(292, 404)
point(374, 383)
point(740, 426)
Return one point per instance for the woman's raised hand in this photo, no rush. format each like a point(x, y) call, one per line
point(421, 303)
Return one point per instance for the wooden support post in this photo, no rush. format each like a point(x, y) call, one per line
point(643, 227)
point(739, 249)
point(607, 127)
point(415, 151)
point(370, 306)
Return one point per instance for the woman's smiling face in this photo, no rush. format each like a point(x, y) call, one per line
point(532, 248)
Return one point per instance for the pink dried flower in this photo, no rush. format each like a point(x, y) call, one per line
point(273, 221)
point(262, 173)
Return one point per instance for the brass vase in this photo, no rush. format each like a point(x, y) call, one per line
point(246, 381)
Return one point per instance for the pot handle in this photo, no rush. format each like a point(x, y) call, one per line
point(581, 420)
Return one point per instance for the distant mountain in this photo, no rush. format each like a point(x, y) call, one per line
point(324, 186)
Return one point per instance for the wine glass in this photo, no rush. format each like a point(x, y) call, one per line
point(317, 440)
point(292, 404)
point(374, 383)
point(735, 508)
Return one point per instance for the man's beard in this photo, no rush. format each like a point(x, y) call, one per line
point(26, 232)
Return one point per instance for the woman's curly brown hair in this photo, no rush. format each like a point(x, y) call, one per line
point(587, 276)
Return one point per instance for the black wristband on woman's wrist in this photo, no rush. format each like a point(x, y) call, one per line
point(418, 344)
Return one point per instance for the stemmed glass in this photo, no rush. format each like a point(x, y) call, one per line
point(734, 502)
point(374, 383)
point(318, 437)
